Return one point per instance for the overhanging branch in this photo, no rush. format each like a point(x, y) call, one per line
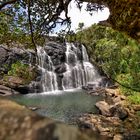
point(7, 3)
point(114, 80)
point(30, 24)
point(123, 85)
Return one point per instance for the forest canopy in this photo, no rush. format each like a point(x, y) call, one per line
point(41, 16)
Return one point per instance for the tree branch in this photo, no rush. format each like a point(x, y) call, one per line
point(114, 80)
point(63, 6)
point(7, 3)
point(30, 24)
point(123, 85)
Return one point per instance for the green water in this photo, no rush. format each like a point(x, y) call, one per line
point(63, 106)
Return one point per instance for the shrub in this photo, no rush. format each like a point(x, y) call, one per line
point(23, 71)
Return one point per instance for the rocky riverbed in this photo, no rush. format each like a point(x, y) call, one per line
point(117, 119)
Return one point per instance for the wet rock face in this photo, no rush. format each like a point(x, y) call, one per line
point(56, 52)
point(65, 66)
point(8, 56)
point(119, 111)
point(60, 68)
point(18, 122)
point(106, 82)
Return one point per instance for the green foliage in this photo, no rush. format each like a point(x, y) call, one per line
point(14, 29)
point(80, 26)
point(13, 26)
point(21, 70)
point(18, 69)
point(134, 98)
point(36, 18)
point(116, 54)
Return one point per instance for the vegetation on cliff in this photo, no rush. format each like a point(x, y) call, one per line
point(23, 71)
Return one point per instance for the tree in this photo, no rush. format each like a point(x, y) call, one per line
point(43, 15)
point(80, 26)
point(13, 24)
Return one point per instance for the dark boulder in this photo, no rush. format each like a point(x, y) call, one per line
point(23, 89)
point(56, 61)
point(91, 86)
point(119, 111)
point(59, 81)
point(106, 82)
point(50, 52)
point(60, 68)
point(35, 87)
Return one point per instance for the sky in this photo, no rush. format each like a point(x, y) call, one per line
point(83, 16)
point(78, 16)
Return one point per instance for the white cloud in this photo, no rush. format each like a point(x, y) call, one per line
point(83, 16)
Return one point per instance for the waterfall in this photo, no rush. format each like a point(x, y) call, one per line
point(84, 54)
point(79, 72)
point(48, 79)
point(65, 67)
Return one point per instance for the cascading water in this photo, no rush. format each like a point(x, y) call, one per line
point(65, 67)
point(49, 82)
point(79, 71)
